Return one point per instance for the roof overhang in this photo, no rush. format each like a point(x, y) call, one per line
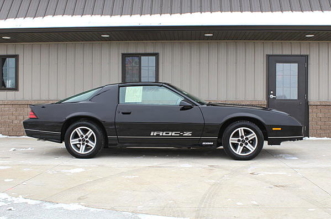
point(166, 33)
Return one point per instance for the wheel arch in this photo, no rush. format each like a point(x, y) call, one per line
point(229, 121)
point(73, 119)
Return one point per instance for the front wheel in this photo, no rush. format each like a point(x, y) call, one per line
point(242, 140)
point(84, 139)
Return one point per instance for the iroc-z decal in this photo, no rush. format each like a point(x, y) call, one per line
point(157, 133)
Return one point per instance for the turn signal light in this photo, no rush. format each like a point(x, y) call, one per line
point(32, 115)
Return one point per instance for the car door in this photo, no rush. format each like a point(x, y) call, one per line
point(151, 114)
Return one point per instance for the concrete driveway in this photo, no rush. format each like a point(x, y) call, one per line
point(288, 181)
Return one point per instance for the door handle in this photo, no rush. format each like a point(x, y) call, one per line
point(272, 96)
point(126, 113)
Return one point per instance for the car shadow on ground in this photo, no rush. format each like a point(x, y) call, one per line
point(202, 153)
point(162, 152)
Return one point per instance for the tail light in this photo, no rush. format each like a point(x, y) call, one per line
point(32, 115)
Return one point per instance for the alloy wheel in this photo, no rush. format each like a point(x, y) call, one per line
point(243, 141)
point(83, 140)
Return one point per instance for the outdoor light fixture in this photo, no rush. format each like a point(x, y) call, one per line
point(6, 37)
point(209, 34)
point(310, 35)
point(105, 35)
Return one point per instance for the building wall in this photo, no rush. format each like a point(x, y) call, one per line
point(211, 70)
point(223, 71)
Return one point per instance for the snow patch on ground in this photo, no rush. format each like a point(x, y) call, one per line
point(269, 173)
point(8, 180)
point(185, 165)
point(6, 136)
point(4, 197)
point(70, 207)
point(13, 203)
point(4, 167)
point(21, 149)
point(77, 170)
point(287, 156)
point(314, 138)
point(130, 177)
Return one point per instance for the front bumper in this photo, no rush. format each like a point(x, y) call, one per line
point(286, 133)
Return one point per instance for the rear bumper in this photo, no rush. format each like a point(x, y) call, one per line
point(35, 129)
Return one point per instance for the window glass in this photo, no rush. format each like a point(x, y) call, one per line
point(132, 69)
point(140, 68)
point(287, 80)
point(80, 97)
point(8, 73)
point(154, 95)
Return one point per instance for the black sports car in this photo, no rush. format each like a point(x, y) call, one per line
point(157, 114)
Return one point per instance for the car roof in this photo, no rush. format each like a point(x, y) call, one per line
point(138, 83)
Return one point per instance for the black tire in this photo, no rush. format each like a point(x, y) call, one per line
point(84, 139)
point(246, 140)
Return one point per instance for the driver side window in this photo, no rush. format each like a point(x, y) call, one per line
point(149, 95)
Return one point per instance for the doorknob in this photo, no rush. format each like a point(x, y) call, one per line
point(272, 96)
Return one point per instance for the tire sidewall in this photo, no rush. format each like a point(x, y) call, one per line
point(242, 124)
point(100, 139)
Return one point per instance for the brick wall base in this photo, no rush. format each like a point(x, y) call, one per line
point(13, 113)
point(320, 119)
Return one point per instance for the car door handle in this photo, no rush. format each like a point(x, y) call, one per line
point(126, 113)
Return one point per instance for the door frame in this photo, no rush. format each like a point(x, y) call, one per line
point(306, 125)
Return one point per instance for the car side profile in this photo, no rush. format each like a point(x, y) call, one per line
point(157, 115)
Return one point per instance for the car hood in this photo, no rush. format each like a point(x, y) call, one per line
point(245, 106)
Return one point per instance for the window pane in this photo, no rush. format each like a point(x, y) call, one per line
point(148, 69)
point(81, 96)
point(132, 69)
point(8, 72)
point(153, 95)
point(287, 80)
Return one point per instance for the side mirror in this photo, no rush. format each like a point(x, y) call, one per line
point(185, 105)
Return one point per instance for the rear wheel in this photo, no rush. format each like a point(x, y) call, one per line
point(84, 139)
point(242, 140)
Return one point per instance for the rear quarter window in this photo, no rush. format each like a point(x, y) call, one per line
point(81, 96)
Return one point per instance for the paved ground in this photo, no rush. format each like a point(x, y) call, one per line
point(288, 181)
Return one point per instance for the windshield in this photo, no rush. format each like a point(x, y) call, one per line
point(196, 99)
point(80, 97)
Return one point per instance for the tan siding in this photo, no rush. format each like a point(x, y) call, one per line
point(53, 85)
point(250, 67)
point(324, 70)
point(35, 74)
point(212, 62)
point(211, 70)
point(70, 70)
point(204, 69)
point(313, 78)
point(231, 73)
point(259, 71)
point(241, 79)
point(27, 71)
point(222, 71)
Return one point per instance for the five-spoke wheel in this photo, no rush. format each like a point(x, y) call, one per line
point(84, 139)
point(242, 140)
